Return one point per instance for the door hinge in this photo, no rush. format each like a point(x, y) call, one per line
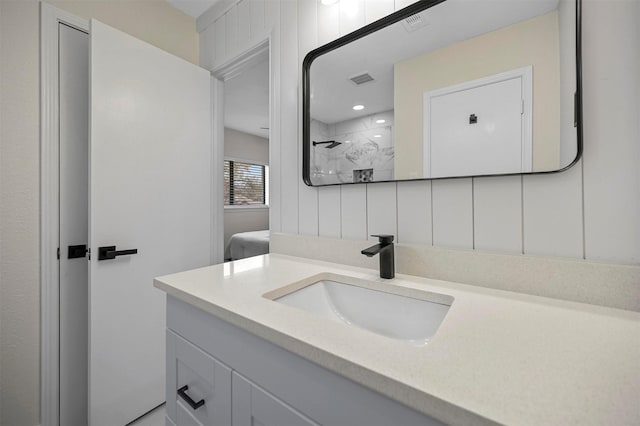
point(58, 253)
point(522, 107)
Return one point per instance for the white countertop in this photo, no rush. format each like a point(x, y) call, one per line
point(498, 356)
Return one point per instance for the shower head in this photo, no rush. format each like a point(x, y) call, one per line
point(332, 144)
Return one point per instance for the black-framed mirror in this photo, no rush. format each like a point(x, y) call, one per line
point(446, 88)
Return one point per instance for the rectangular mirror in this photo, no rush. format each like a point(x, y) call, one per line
point(446, 89)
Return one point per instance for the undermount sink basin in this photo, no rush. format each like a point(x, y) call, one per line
point(413, 316)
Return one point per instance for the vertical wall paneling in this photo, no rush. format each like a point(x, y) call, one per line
point(244, 23)
point(552, 213)
point(289, 117)
point(497, 214)
point(231, 21)
point(452, 212)
point(376, 9)
point(329, 223)
point(207, 47)
point(611, 133)
point(307, 40)
point(271, 13)
point(220, 33)
point(272, 24)
point(588, 211)
point(257, 17)
point(328, 23)
point(381, 209)
point(414, 212)
point(351, 15)
point(353, 212)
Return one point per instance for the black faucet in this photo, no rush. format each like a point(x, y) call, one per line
point(385, 248)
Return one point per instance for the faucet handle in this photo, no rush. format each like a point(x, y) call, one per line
point(384, 238)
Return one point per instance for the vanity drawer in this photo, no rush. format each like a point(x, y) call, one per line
point(198, 386)
point(254, 405)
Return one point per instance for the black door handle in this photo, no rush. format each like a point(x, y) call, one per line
point(109, 252)
point(183, 394)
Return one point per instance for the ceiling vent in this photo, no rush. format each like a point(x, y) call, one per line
point(415, 22)
point(361, 78)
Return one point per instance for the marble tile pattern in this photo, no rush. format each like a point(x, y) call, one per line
point(365, 144)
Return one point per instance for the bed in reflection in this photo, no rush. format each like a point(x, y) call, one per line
point(247, 244)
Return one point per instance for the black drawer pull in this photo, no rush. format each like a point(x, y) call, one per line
point(109, 252)
point(183, 394)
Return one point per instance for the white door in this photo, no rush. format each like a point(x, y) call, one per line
point(476, 131)
point(150, 190)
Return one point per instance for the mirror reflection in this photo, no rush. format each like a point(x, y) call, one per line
point(463, 88)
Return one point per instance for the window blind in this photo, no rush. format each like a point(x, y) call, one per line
point(244, 183)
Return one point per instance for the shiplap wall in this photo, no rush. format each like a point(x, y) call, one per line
point(591, 211)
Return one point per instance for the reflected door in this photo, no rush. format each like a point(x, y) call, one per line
point(477, 131)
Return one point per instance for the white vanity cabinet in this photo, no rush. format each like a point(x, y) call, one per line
point(198, 386)
point(253, 405)
point(246, 380)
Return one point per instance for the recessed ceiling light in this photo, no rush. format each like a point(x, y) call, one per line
point(377, 136)
point(358, 107)
point(329, 2)
point(380, 121)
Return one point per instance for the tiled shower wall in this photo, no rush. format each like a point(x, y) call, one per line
point(591, 211)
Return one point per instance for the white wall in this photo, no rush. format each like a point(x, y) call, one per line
point(153, 21)
point(243, 146)
point(590, 211)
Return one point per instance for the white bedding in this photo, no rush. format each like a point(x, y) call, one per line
point(247, 244)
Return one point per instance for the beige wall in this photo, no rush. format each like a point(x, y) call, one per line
point(153, 21)
point(243, 146)
point(532, 42)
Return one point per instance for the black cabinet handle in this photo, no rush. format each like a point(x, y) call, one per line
point(183, 394)
point(109, 252)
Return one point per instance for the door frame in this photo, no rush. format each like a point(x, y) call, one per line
point(235, 65)
point(525, 73)
point(50, 18)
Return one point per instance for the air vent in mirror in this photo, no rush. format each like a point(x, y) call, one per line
point(361, 78)
point(414, 22)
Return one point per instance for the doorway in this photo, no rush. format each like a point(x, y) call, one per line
point(243, 105)
point(246, 160)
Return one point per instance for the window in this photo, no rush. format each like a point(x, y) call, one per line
point(244, 184)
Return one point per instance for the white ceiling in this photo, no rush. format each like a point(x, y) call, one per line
point(246, 99)
point(193, 8)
